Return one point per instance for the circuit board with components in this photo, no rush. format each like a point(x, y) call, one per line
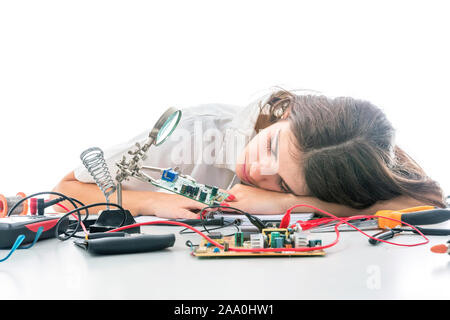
point(186, 186)
point(269, 238)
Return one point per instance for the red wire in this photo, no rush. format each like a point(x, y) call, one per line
point(75, 216)
point(303, 249)
point(221, 246)
point(344, 220)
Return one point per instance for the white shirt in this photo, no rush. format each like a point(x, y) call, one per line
point(205, 145)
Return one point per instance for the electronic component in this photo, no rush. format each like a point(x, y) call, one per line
point(169, 175)
point(215, 235)
point(187, 186)
point(314, 243)
point(239, 239)
point(300, 239)
point(257, 240)
point(273, 238)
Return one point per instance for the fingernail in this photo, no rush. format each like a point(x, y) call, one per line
point(225, 204)
point(230, 198)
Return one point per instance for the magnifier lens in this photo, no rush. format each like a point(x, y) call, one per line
point(168, 127)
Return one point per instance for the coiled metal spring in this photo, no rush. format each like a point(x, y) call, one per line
point(95, 163)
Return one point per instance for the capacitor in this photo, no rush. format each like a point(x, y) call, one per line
point(273, 236)
point(239, 239)
point(195, 191)
point(202, 196)
point(7, 203)
point(278, 242)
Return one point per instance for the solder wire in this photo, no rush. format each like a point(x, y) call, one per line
point(8, 202)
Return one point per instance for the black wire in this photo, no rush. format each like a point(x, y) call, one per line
point(71, 200)
point(203, 220)
point(190, 244)
point(84, 220)
point(70, 235)
point(233, 223)
point(254, 220)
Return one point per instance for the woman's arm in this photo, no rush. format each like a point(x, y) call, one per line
point(259, 201)
point(137, 202)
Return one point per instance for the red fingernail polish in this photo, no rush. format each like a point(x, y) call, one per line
point(224, 204)
point(230, 197)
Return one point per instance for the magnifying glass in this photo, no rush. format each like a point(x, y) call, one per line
point(162, 129)
point(165, 126)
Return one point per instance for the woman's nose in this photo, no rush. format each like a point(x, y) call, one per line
point(261, 175)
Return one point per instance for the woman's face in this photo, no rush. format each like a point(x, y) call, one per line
point(271, 161)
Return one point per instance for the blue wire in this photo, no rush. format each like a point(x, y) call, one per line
point(14, 247)
point(19, 241)
point(38, 234)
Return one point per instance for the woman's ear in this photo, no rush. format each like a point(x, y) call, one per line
point(286, 113)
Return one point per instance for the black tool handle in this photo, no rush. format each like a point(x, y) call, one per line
point(130, 244)
point(383, 235)
point(426, 217)
point(433, 232)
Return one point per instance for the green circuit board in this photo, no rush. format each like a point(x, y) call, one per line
point(188, 187)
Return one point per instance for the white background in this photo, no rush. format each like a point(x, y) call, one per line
point(76, 74)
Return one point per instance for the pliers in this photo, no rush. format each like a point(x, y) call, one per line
point(422, 215)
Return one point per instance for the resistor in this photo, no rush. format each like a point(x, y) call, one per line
point(7, 203)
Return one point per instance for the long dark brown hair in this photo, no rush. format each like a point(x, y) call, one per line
point(348, 154)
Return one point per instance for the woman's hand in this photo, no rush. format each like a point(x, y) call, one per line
point(170, 206)
point(258, 201)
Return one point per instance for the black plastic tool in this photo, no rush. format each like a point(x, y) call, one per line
point(384, 235)
point(120, 243)
point(390, 233)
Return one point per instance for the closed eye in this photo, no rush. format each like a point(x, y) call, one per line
point(272, 146)
point(283, 186)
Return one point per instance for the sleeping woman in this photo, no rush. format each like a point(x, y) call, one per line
point(336, 154)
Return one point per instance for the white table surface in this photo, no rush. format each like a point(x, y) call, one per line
point(353, 269)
